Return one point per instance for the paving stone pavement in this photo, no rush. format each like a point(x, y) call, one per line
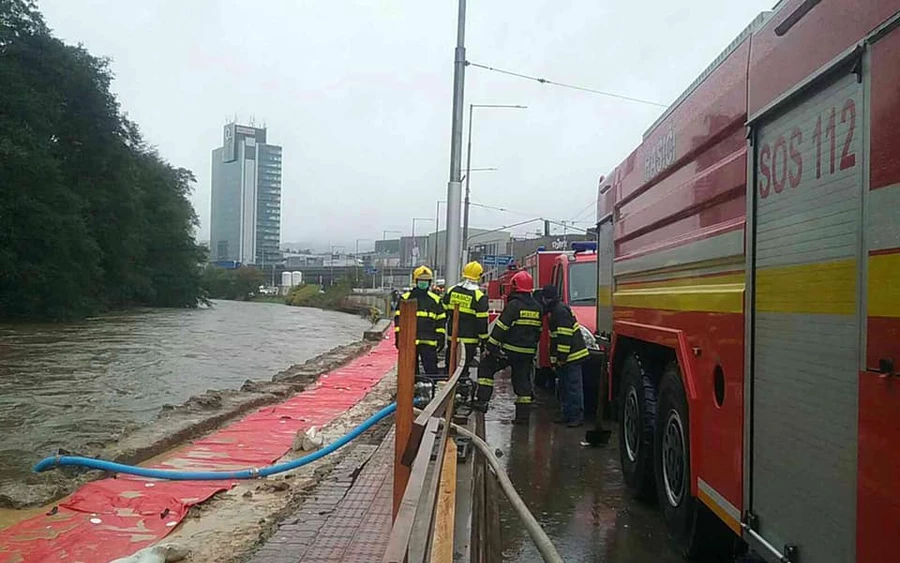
point(347, 517)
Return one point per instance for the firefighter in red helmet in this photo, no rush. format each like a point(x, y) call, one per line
point(513, 343)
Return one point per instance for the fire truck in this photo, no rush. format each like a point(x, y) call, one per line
point(749, 279)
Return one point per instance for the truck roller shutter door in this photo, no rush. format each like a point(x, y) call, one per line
point(806, 336)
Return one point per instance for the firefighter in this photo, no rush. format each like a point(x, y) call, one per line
point(473, 311)
point(430, 320)
point(513, 342)
point(567, 353)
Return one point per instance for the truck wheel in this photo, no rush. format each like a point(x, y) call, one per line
point(694, 529)
point(637, 419)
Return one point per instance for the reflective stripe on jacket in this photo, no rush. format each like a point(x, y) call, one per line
point(566, 341)
point(430, 318)
point(519, 327)
point(473, 312)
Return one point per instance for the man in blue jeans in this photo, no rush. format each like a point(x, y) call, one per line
point(567, 353)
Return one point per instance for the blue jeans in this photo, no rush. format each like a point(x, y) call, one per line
point(571, 392)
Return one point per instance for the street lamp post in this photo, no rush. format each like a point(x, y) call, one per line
point(454, 185)
point(465, 229)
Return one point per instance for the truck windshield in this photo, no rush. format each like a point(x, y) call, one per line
point(583, 283)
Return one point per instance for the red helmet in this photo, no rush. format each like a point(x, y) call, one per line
point(522, 282)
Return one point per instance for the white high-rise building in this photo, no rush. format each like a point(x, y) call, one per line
point(245, 223)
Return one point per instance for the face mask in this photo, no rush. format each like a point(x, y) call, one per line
point(423, 284)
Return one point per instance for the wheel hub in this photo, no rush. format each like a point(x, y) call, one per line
point(674, 458)
point(632, 425)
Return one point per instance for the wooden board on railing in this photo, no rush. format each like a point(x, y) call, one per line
point(438, 405)
point(398, 543)
point(445, 513)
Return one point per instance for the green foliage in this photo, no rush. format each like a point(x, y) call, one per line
point(302, 295)
point(238, 284)
point(90, 217)
point(310, 295)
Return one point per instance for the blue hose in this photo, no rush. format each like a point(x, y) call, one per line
point(174, 475)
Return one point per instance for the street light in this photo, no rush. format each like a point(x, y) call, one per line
point(465, 229)
point(415, 246)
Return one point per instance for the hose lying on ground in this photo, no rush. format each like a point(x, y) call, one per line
point(538, 536)
point(175, 475)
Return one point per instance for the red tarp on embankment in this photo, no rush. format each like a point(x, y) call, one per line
point(113, 518)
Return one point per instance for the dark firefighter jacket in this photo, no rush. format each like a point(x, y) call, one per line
point(430, 318)
point(566, 341)
point(518, 329)
point(473, 312)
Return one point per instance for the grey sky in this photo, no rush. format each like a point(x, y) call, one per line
point(358, 92)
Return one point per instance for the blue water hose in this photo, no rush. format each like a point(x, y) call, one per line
point(175, 475)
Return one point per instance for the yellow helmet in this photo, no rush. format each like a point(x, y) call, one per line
point(422, 273)
point(472, 271)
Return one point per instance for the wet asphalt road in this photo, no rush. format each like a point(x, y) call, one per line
point(575, 492)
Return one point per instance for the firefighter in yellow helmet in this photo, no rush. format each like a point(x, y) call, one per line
point(430, 320)
point(473, 311)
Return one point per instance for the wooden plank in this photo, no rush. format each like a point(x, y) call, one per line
point(445, 513)
point(445, 437)
point(479, 516)
point(398, 542)
point(454, 340)
point(493, 547)
point(406, 382)
point(436, 407)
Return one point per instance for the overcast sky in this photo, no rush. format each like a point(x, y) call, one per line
point(358, 92)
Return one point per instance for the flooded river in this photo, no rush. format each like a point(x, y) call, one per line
point(80, 385)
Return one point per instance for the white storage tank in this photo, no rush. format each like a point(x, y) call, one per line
point(286, 279)
point(296, 278)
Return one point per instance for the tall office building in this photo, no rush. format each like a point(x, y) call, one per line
point(246, 198)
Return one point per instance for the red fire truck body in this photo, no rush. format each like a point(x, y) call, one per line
point(749, 274)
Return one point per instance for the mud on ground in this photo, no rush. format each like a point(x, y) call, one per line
point(175, 425)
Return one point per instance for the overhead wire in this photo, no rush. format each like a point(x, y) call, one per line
point(570, 86)
point(584, 210)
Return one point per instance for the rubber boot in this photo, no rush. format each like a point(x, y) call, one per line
point(523, 411)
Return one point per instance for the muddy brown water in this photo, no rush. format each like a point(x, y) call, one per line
point(575, 492)
point(79, 386)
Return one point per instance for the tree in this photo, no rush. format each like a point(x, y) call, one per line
point(90, 217)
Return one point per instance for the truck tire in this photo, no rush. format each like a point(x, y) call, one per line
point(695, 530)
point(637, 423)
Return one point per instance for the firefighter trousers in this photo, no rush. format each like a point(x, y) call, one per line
point(471, 354)
point(521, 366)
point(428, 356)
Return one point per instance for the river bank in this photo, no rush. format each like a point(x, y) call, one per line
point(110, 386)
point(227, 526)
